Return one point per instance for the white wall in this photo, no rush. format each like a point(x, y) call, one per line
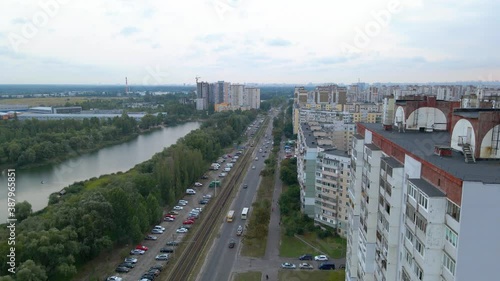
point(412, 168)
point(486, 145)
point(459, 130)
point(478, 240)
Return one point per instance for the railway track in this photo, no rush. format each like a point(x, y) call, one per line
point(188, 259)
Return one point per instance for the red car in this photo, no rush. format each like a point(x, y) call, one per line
point(141, 247)
point(191, 219)
point(170, 216)
point(188, 222)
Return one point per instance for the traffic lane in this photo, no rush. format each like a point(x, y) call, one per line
point(258, 264)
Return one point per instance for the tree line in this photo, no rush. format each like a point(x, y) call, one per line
point(98, 214)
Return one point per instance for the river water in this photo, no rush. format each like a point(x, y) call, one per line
point(36, 184)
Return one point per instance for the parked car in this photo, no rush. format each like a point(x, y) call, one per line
point(253, 167)
point(181, 204)
point(287, 265)
point(198, 184)
point(131, 260)
point(321, 258)
point(327, 266)
point(137, 252)
point(172, 243)
point(174, 213)
point(182, 230)
point(159, 227)
point(158, 266)
point(150, 237)
point(162, 257)
point(306, 257)
point(199, 209)
point(166, 250)
point(156, 231)
point(245, 185)
point(305, 265)
point(207, 196)
point(232, 243)
point(188, 222)
point(239, 231)
point(221, 175)
point(178, 208)
point(183, 201)
point(203, 202)
point(190, 191)
point(127, 265)
point(122, 269)
point(169, 219)
point(114, 278)
point(142, 247)
point(205, 176)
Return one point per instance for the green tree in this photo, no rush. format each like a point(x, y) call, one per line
point(23, 210)
point(30, 271)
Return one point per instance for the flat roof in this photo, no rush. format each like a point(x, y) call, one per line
point(310, 139)
point(392, 162)
point(427, 188)
point(422, 145)
point(372, 147)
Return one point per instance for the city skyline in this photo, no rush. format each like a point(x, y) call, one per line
point(152, 43)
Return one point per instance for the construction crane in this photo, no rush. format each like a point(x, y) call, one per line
point(197, 77)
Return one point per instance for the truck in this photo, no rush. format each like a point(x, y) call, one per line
point(215, 166)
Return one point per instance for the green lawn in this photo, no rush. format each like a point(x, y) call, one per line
point(248, 276)
point(334, 247)
point(316, 275)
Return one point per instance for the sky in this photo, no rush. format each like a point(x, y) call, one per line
point(159, 42)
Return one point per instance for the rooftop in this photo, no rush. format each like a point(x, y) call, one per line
point(309, 138)
point(422, 145)
point(427, 188)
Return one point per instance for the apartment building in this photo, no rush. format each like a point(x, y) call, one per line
point(423, 199)
point(332, 179)
point(225, 96)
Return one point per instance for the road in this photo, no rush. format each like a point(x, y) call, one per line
point(220, 259)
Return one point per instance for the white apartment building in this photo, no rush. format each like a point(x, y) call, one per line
point(419, 211)
point(332, 178)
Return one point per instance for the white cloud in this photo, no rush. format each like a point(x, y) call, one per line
point(246, 40)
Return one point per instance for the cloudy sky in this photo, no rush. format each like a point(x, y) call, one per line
point(264, 41)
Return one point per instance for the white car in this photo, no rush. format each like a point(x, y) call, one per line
point(160, 227)
point(221, 175)
point(190, 191)
point(182, 203)
point(114, 278)
point(321, 258)
point(198, 184)
point(137, 252)
point(198, 209)
point(178, 208)
point(162, 257)
point(305, 265)
point(288, 265)
point(182, 230)
point(156, 231)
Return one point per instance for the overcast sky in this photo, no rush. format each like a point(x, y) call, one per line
point(241, 41)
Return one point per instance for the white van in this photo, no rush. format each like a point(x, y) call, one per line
point(190, 191)
point(229, 165)
point(227, 169)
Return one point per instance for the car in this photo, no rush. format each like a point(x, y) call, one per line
point(193, 215)
point(239, 231)
point(131, 260)
point(114, 278)
point(232, 243)
point(188, 222)
point(256, 158)
point(245, 185)
point(166, 250)
point(191, 218)
point(288, 265)
point(169, 219)
point(182, 230)
point(156, 231)
point(150, 237)
point(327, 266)
point(127, 265)
point(162, 257)
point(154, 271)
point(147, 277)
point(199, 209)
point(198, 184)
point(253, 167)
point(159, 227)
point(205, 176)
point(203, 202)
point(137, 252)
point(158, 266)
point(306, 257)
point(321, 258)
point(142, 247)
point(190, 191)
point(178, 208)
point(182, 203)
point(221, 175)
point(172, 243)
point(173, 213)
point(122, 269)
point(207, 196)
point(305, 265)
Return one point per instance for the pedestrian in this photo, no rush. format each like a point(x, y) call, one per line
point(267, 277)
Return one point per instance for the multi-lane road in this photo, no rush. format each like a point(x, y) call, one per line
point(220, 260)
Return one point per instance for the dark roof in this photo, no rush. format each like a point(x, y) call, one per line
point(427, 188)
point(422, 145)
point(372, 147)
point(337, 152)
point(310, 139)
point(392, 162)
point(358, 136)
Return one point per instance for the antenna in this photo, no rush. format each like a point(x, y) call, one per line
point(126, 85)
point(197, 77)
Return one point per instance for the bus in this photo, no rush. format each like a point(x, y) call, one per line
point(230, 216)
point(244, 213)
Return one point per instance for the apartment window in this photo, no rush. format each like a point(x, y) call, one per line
point(453, 210)
point(408, 257)
point(418, 272)
point(422, 200)
point(449, 263)
point(410, 212)
point(412, 191)
point(409, 235)
point(451, 236)
point(421, 222)
point(419, 247)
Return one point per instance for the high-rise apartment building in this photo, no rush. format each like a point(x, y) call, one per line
point(423, 194)
point(224, 96)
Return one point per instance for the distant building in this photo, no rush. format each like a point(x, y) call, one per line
point(41, 110)
point(71, 109)
point(44, 116)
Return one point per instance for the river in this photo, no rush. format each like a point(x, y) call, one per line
point(36, 184)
